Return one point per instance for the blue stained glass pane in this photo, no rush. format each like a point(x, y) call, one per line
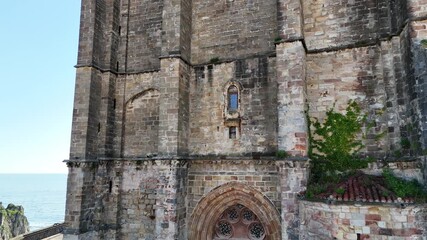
point(233, 102)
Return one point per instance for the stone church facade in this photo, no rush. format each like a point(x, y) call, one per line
point(181, 107)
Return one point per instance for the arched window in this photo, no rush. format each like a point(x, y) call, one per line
point(233, 98)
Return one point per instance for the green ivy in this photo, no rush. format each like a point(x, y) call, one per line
point(281, 154)
point(214, 60)
point(404, 188)
point(334, 143)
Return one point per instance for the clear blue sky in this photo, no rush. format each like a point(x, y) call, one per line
point(38, 46)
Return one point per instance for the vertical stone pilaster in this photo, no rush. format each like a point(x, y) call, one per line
point(166, 204)
point(112, 20)
point(293, 179)
point(173, 117)
point(87, 100)
point(169, 106)
point(73, 203)
point(107, 116)
point(290, 21)
point(176, 28)
point(92, 37)
point(292, 123)
point(184, 109)
point(417, 81)
point(391, 94)
point(87, 30)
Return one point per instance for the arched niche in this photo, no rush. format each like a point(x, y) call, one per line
point(142, 124)
point(211, 208)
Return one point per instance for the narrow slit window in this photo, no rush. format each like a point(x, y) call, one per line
point(232, 132)
point(233, 98)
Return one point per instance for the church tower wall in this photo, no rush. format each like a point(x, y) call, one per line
point(178, 99)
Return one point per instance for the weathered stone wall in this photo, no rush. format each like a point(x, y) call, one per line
point(149, 89)
point(86, 115)
point(167, 91)
point(290, 21)
point(417, 9)
point(418, 84)
point(393, 70)
point(149, 200)
point(209, 120)
point(140, 35)
point(279, 181)
point(176, 29)
point(411, 169)
point(335, 78)
point(126, 89)
point(205, 175)
point(232, 28)
point(334, 24)
point(323, 221)
point(293, 180)
point(291, 98)
point(142, 124)
point(99, 29)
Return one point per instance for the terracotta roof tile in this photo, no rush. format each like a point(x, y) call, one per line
point(363, 188)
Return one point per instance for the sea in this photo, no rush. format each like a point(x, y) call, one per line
point(41, 195)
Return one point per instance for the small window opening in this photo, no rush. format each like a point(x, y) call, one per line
point(99, 127)
point(232, 132)
point(233, 98)
point(120, 30)
point(110, 186)
point(200, 73)
point(117, 65)
point(114, 103)
point(210, 73)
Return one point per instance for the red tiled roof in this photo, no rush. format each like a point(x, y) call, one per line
point(363, 188)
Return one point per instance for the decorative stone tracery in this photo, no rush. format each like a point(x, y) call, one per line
point(235, 211)
point(239, 222)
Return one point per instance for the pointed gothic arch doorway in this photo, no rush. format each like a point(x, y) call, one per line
point(235, 211)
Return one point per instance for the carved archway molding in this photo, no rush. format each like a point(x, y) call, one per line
point(211, 206)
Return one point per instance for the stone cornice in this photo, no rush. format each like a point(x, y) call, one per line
point(177, 162)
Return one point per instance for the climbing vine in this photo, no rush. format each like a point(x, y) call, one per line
point(335, 143)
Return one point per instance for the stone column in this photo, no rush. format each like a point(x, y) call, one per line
point(391, 66)
point(417, 81)
point(87, 100)
point(289, 18)
point(292, 130)
point(174, 104)
point(167, 200)
point(74, 203)
point(293, 179)
point(176, 28)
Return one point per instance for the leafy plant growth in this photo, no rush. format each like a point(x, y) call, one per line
point(335, 144)
point(404, 188)
point(214, 60)
point(278, 39)
point(281, 154)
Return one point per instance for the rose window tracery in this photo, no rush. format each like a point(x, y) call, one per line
point(224, 229)
point(239, 222)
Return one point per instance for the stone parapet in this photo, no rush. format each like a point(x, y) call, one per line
point(351, 222)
